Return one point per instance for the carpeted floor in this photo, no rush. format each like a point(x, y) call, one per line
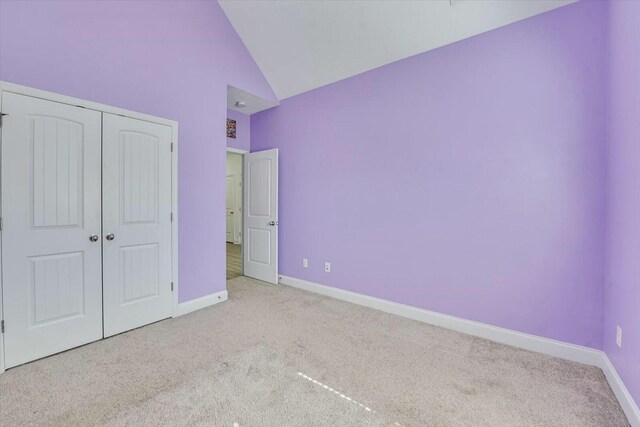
point(277, 356)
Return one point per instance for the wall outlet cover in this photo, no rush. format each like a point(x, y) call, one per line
point(619, 336)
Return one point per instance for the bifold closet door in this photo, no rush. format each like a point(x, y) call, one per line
point(136, 174)
point(51, 244)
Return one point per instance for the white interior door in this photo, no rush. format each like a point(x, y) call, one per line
point(261, 215)
point(136, 223)
point(231, 200)
point(52, 269)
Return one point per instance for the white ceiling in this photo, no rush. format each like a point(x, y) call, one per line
point(252, 103)
point(303, 44)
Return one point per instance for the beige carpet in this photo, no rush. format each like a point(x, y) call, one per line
point(276, 356)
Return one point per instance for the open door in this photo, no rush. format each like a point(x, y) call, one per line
point(261, 215)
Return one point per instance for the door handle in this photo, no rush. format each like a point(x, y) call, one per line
point(93, 238)
point(110, 236)
point(273, 223)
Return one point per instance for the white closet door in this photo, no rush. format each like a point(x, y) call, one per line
point(261, 215)
point(136, 201)
point(52, 277)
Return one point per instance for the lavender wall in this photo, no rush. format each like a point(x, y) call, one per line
point(622, 285)
point(172, 59)
point(468, 180)
point(243, 131)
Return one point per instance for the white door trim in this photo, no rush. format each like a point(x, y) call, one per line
point(63, 99)
point(239, 227)
point(234, 208)
point(1, 314)
point(236, 150)
point(237, 206)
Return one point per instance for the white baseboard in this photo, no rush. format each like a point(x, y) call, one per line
point(202, 302)
point(629, 406)
point(183, 308)
point(575, 353)
point(548, 346)
point(1, 355)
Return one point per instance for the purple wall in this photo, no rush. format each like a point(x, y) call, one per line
point(243, 131)
point(468, 180)
point(166, 58)
point(622, 285)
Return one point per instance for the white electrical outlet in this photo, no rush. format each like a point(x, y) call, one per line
point(305, 262)
point(327, 267)
point(619, 336)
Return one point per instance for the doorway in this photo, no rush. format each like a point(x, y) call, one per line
point(251, 194)
point(234, 199)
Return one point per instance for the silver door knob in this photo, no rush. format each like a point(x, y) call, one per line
point(94, 237)
point(273, 223)
point(110, 236)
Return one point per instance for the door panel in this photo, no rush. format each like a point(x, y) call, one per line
point(52, 272)
point(139, 270)
point(261, 215)
point(137, 211)
point(56, 285)
point(138, 176)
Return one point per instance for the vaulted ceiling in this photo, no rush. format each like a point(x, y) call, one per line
point(303, 44)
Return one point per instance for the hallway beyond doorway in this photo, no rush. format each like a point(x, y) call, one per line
point(234, 261)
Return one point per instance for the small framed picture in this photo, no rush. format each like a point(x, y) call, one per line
point(231, 128)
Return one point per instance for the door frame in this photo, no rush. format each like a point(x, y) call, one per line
point(241, 152)
point(63, 99)
point(233, 208)
point(238, 200)
point(237, 151)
